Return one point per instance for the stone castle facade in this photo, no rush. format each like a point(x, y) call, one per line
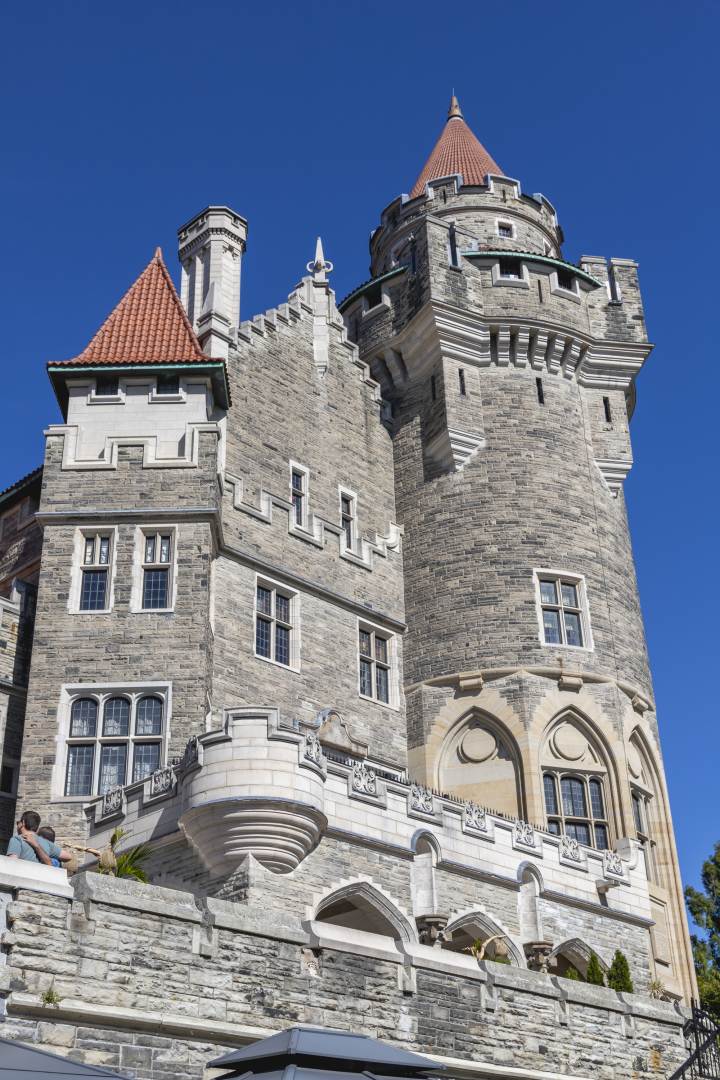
point(336, 610)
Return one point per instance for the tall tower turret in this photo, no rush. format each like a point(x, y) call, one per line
point(511, 377)
point(210, 250)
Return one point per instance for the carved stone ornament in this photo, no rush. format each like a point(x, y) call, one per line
point(570, 849)
point(313, 749)
point(524, 834)
point(538, 955)
point(112, 801)
point(161, 781)
point(363, 779)
point(474, 818)
point(613, 864)
point(191, 753)
point(421, 799)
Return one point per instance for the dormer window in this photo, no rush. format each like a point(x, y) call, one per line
point(565, 280)
point(511, 268)
point(168, 384)
point(107, 386)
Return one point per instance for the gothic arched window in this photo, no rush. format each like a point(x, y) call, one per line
point(575, 806)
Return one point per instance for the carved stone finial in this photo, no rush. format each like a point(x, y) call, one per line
point(454, 110)
point(319, 267)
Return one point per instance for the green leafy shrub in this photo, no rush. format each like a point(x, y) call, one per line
point(595, 972)
point(619, 974)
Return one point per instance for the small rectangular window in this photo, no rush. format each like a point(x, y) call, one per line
point(561, 604)
point(375, 665)
point(505, 230)
point(156, 571)
point(347, 520)
point(461, 382)
point(107, 386)
point(168, 384)
point(433, 387)
point(565, 280)
point(510, 268)
point(540, 391)
point(607, 409)
point(452, 245)
point(94, 583)
point(273, 624)
point(298, 495)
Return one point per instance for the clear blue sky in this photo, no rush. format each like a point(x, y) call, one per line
point(121, 121)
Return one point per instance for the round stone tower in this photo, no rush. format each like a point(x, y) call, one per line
point(510, 373)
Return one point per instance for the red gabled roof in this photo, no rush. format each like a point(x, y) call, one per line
point(149, 326)
point(457, 151)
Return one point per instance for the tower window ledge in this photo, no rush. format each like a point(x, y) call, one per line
point(382, 305)
point(517, 279)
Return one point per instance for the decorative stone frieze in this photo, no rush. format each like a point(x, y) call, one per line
point(524, 835)
point(112, 803)
point(421, 802)
point(475, 820)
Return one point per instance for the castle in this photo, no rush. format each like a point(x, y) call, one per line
point(335, 610)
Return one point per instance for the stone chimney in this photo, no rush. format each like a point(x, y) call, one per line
point(210, 249)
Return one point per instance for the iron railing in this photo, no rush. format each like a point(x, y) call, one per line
point(703, 1035)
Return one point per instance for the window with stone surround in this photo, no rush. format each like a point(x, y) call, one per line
point(562, 609)
point(506, 230)
point(377, 664)
point(113, 737)
point(276, 624)
point(94, 580)
point(92, 571)
point(157, 570)
point(299, 483)
point(575, 806)
point(348, 519)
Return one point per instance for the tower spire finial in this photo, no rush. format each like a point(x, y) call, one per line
point(319, 267)
point(454, 110)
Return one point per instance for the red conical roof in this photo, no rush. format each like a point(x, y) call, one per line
point(456, 151)
point(148, 326)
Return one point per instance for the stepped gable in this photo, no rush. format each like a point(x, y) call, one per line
point(457, 150)
point(148, 326)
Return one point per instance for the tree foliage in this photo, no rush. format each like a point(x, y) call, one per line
point(619, 974)
point(704, 907)
point(594, 973)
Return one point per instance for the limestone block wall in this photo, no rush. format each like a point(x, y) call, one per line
point(149, 984)
point(120, 646)
point(324, 673)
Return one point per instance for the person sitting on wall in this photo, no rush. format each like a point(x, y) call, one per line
point(32, 848)
point(46, 832)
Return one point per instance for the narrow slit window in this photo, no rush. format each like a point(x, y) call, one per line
point(298, 489)
point(347, 520)
point(452, 246)
point(607, 410)
point(433, 387)
point(540, 391)
point(461, 382)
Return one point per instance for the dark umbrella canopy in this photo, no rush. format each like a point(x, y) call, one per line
point(17, 1060)
point(308, 1053)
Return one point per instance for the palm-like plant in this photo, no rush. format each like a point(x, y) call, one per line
point(127, 864)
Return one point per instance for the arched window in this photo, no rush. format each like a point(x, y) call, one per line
point(575, 806)
point(112, 742)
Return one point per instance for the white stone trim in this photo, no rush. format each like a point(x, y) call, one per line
point(109, 457)
point(318, 526)
point(568, 294)
point(35, 876)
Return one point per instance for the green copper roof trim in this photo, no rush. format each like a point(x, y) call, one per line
point(534, 258)
point(144, 365)
point(368, 284)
